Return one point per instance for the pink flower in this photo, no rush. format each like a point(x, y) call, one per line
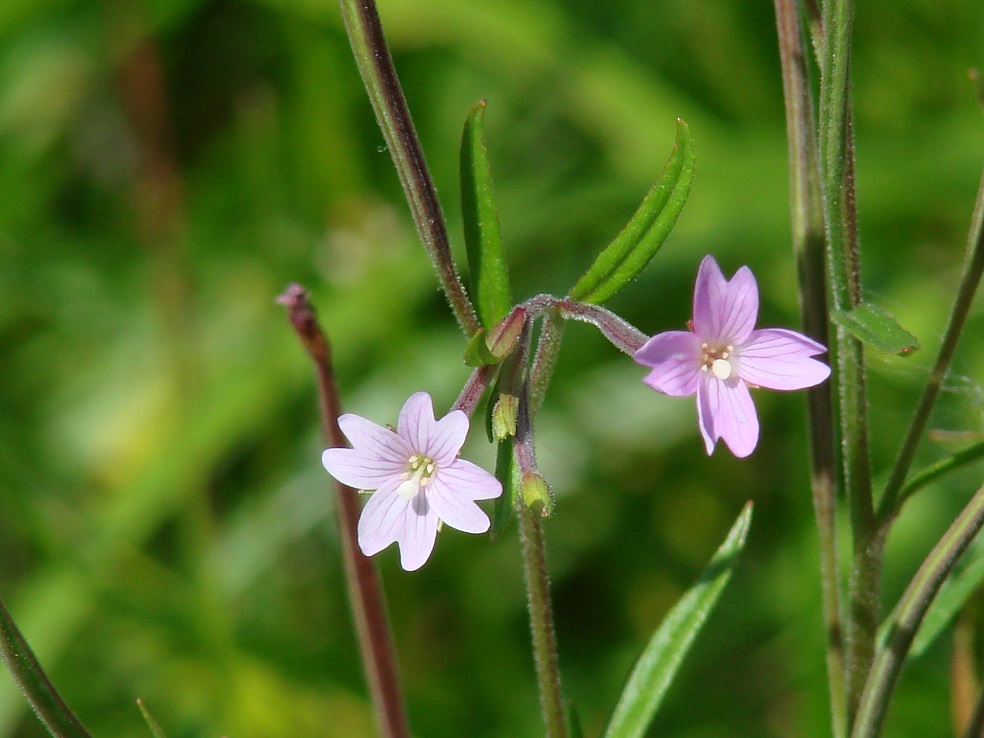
point(418, 479)
point(722, 356)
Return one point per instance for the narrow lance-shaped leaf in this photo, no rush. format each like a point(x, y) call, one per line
point(480, 213)
point(155, 728)
point(659, 663)
point(27, 672)
point(954, 594)
point(908, 615)
point(875, 328)
point(639, 241)
point(507, 472)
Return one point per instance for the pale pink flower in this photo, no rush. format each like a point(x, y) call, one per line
point(417, 478)
point(722, 356)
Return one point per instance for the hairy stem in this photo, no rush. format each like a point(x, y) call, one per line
point(808, 245)
point(541, 622)
point(379, 75)
point(836, 152)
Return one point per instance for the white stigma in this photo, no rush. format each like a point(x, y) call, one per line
point(721, 368)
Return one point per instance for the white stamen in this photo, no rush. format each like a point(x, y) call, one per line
point(721, 368)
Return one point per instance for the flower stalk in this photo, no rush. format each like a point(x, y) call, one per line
point(541, 621)
point(531, 506)
point(365, 33)
point(365, 591)
point(808, 246)
point(836, 154)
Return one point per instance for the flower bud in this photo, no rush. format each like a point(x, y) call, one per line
point(504, 336)
point(504, 416)
point(536, 495)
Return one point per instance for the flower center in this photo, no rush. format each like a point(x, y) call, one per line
point(419, 471)
point(717, 360)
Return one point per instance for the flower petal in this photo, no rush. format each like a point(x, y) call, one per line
point(419, 532)
point(353, 467)
point(470, 481)
point(779, 359)
point(455, 509)
point(446, 437)
point(372, 438)
point(724, 311)
point(383, 519)
point(725, 410)
point(675, 359)
point(416, 419)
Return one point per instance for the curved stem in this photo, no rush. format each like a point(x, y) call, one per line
point(909, 614)
point(892, 498)
point(379, 75)
point(939, 469)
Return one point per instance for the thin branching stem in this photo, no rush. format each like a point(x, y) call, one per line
point(375, 64)
point(893, 496)
point(541, 621)
point(836, 150)
point(808, 245)
point(942, 467)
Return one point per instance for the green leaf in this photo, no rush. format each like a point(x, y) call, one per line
point(908, 616)
point(477, 351)
point(27, 672)
point(507, 472)
point(480, 213)
point(639, 241)
point(952, 597)
point(658, 664)
point(874, 327)
point(155, 728)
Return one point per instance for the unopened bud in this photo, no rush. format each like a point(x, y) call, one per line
point(504, 336)
point(535, 493)
point(504, 416)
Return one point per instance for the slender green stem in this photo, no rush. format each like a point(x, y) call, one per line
point(379, 75)
point(547, 351)
point(893, 496)
point(942, 467)
point(537, 577)
point(30, 677)
point(843, 274)
point(541, 622)
point(808, 245)
point(365, 590)
point(909, 614)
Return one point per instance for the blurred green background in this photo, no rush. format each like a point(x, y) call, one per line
point(166, 529)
